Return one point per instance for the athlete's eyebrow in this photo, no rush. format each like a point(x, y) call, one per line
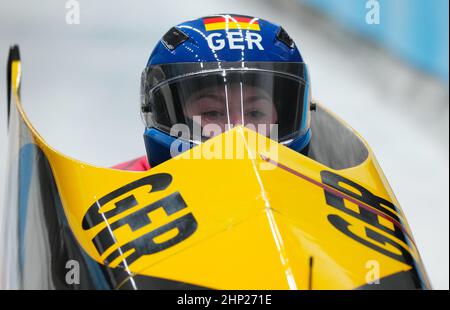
point(254, 98)
point(209, 96)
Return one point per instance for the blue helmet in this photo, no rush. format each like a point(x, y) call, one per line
point(209, 74)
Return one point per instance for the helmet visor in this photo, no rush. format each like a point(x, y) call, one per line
point(267, 98)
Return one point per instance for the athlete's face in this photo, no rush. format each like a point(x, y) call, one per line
point(232, 106)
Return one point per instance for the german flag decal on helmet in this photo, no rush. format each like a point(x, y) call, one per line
point(225, 22)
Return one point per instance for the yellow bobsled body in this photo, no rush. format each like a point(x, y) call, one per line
point(237, 212)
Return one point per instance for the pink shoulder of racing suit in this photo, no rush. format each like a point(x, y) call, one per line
point(138, 164)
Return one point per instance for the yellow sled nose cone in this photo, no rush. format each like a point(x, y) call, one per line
point(261, 216)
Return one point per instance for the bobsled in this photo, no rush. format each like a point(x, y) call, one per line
point(259, 218)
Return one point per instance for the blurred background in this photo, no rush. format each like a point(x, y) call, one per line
point(386, 75)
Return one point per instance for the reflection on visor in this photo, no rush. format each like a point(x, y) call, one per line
point(217, 101)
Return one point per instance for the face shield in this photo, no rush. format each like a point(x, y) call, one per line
point(210, 98)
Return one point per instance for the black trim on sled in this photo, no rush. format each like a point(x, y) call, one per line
point(141, 282)
point(14, 54)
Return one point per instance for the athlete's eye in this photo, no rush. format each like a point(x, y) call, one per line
point(255, 114)
point(213, 114)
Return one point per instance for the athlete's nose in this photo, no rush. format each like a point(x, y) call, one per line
point(236, 118)
point(235, 106)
